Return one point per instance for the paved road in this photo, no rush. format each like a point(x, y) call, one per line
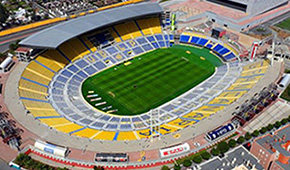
point(4, 166)
point(6, 40)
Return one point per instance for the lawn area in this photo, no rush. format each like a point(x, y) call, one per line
point(149, 80)
point(284, 24)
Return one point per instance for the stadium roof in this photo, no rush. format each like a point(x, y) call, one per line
point(56, 35)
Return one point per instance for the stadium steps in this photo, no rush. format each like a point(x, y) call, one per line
point(144, 26)
point(123, 32)
point(133, 29)
point(48, 62)
point(115, 35)
point(56, 57)
point(33, 86)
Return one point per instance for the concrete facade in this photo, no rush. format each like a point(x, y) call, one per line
point(273, 151)
point(254, 7)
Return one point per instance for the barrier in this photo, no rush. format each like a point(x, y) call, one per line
point(50, 148)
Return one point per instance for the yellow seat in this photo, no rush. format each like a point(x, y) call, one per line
point(123, 32)
point(133, 29)
point(35, 77)
point(56, 56)
point(67, 128)
point(88, 133)
point(144, 26)
point(32, 95)
point(43, 113)
point(114, 35)
point(126, 136)
point(55, 122)
point(105, 135)
point(29, 85)
point(48, 62)
point(34, 67)
point(35, 105)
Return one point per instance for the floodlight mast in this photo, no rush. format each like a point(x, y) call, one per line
point(154, 124)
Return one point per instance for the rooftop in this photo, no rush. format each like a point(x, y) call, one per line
point(234, 158)
point(56, 35)
point(277, 142)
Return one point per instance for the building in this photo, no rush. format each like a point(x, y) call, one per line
point(251, 7)
point(236, 159)
point(273, 151)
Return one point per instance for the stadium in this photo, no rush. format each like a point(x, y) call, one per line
point(116, 86)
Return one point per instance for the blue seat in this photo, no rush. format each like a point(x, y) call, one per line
point(194, 40)
point(155, 45)
point(171, 37)
point(151, 39)
point(147, 47)
point(218, 48)
point(184, 38)
point(90, 70)
point(159, 37)
point(161, 43)
point(202, 41)
point(138, 50)
point(224, 51)
point(230, 56)
point(209, 45)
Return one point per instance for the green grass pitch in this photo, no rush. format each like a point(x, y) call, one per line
point(150, 80)
point(284, 24)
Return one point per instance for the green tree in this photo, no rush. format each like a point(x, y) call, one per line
point(98, 168)
point(177, 167)
point(248, 136)
point(223, 147)
point(255, 133)
point(205, 155)
point(288, 118)
point(270, 127)
point(187, 163)
point(263, 130)
point(232, 143)
point(197, 159)
point(215, 152)
point(241, 140)
point(164, 167)
point(3, 14)
point(284, 121)
point(277, 124)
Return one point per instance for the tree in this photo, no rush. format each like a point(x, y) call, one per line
point(241, 140)
point(215, 152)
point(223, 147)
point(263, 130)
point(98, 168)
point(205, 155)
point(232, 143)
point(278, 124)
point(3, 14)
point(187, 163)
point(197, 159)
point(289, 118)
point(270, 127)
point(164, 167)
point(284, 121)
point(255, 133)
point(177, 167)
point(248, 136)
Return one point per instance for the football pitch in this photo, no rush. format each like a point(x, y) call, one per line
point(149, 80)
point(284, 24)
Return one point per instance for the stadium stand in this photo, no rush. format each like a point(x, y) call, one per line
point(49, 87)
point(224, 51)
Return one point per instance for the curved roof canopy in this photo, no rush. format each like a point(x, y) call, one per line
point(56, 35)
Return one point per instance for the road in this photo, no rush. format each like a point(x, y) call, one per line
point(6, 40)
point(4, 166)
